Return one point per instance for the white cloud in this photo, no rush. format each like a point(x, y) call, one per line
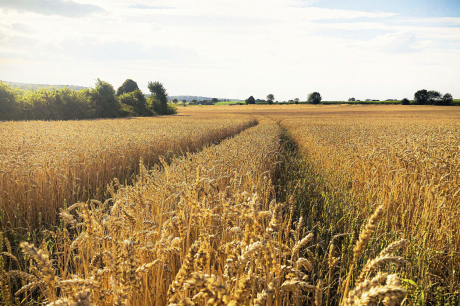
point(66, 8)
point(394, 42)
point(233, 48)
point(316, 13)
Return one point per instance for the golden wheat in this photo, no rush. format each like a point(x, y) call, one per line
point(44, 165)
point(172, 238)
point(405, 158)
point(209, 228)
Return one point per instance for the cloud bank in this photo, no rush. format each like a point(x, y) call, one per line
point(232, 48)
point(51, 7)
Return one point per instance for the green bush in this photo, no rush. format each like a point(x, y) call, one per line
point(9, 107)
point(136, 102)
point(55, 104)
point(68, 104)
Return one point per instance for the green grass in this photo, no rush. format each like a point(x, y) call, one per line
point(229, 103)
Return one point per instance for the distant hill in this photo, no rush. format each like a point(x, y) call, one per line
point(199, 98)
point(26, 86)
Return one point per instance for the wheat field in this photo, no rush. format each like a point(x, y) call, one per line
point(312, 206)
point(46, 165)
point(405, 159)
point(353, 158)
point(411, 166)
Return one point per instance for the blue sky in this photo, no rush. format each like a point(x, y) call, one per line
point(237, 48)
point(413, 8)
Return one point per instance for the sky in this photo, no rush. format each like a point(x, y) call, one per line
point(366, 49)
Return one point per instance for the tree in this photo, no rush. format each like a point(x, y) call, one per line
point(421, 97)
point(250, 100)
point(314, 98)
point(103, 100)
point(270, 98)
point(136, 102)
point(9, 108)
point(434, 97)
point(158, 100)
point(214, 100)
point(128, 86)
point(351, 100)
point(405, 101)
point(447, 99)
point(175, 101)
point(296, 100)
point(158, 92)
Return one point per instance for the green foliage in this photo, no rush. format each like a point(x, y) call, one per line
point(158, 100)
point(434, 97)
point(405, 101)
point(447, 99)
point(158, 92)
point(9, 108)
point(250, 100)
point(127, 87)
point(104, 102)
point(56, 104)
point(68, 104)
point(270, 98)
point(421, 97)
point(135, 103)
point(159, 108)
point(314, 98)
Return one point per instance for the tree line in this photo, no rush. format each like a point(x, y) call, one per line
point(313, 98)
point(102, 101)
point(421, 97)
point(199, 99)
point(433, 97)
point(199, 102)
